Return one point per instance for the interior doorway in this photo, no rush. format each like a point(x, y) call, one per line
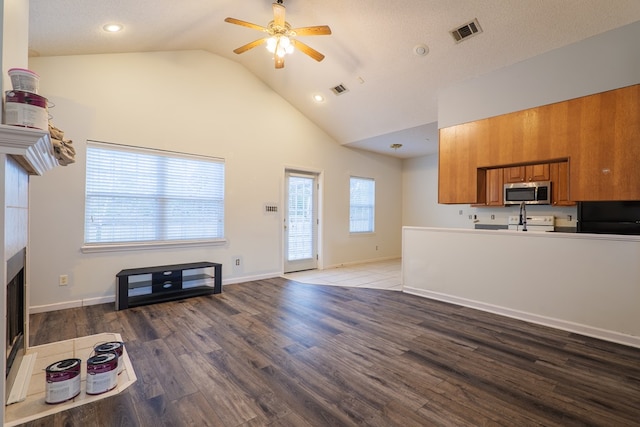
point(300, 221)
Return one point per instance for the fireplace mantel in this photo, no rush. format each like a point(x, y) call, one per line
point(31, 148)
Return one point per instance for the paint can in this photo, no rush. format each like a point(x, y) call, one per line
point(102, 373)
point(116, 347)
point(23, 79)
point(26, 109)
point(63, 380)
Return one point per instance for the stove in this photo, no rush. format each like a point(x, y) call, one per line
point(539, 223)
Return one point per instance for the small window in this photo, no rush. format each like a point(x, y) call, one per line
point(362, 205)
point(138, 195)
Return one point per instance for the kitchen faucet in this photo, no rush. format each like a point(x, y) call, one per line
point(523, 216)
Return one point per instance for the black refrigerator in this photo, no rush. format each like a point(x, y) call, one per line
point(617, 217)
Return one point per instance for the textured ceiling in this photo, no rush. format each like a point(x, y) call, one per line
point(392, 92)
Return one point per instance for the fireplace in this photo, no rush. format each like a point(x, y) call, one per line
point(15, 303)
point(23, 152)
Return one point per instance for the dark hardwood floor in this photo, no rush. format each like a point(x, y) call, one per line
point(279, 353)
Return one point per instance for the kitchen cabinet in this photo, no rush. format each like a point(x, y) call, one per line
point(538, 172)
point(494, 179)
point(600, 133)
point(457, 172)
point(494, 187)
point(604, 164)
point(559, 175)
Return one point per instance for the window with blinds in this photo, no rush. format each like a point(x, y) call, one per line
point(362, 205)
point(138, 195)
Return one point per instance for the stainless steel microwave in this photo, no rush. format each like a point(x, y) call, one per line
point(531, 193)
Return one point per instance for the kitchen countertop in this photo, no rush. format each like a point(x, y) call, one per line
point(568, 232)
point(559, 229)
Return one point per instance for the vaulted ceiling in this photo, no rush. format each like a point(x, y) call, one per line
point(373, 51)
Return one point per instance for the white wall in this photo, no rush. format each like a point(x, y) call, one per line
point(198, 103)
point(14, 44)
point(584, 283)
point(420, 202)
point(604, 62)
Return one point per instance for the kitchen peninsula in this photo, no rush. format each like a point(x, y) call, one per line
point(585, 283)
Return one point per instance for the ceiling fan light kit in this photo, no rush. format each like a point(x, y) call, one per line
point(280, 39)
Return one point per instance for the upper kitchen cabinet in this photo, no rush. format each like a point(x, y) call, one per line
point(600, 134)
point(457, 172)
point(606, 148)
point(539, 172)
point(495, 187)
point(559, 176)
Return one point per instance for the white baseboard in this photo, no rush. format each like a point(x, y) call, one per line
point(112, 298)
point(242, 279)
point(367, 261)
point(71, 304)
point(564, 325)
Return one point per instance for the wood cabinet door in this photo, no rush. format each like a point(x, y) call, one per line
point(514, 174)
point(539, 172)
point(605, 150)
point(457, 167)
point(495, 187)
point(559, 176)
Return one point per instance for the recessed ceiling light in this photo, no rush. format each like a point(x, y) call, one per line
point(112, 28)
point(318, 98)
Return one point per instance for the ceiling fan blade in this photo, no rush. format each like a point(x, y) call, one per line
point(279, 61)
point(245, 24)
point(251, 45)
point(308, 50)
point(318, 30)
point(278, 15)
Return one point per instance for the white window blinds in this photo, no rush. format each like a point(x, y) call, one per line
point(139, 195)
point(362, 205)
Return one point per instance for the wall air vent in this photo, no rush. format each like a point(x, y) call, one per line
point(466, 31)
point(339, 90)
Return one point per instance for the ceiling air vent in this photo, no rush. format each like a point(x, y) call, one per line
point(339, 90)
point(469, 29)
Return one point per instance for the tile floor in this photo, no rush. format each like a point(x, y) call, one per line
point(377, 275)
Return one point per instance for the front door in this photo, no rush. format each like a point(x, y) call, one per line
point(301, 221)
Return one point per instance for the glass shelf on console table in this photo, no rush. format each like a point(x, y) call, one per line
point(148, 285)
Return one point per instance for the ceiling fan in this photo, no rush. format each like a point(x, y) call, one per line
point(280, 36)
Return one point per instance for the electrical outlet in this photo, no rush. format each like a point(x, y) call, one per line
point(493, 217)
point(237, 261)
point(63, 280)
point(460, 212)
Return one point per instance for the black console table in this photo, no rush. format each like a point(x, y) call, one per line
point(140, 286)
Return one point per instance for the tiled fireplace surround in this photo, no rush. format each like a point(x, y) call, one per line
point(23, 152)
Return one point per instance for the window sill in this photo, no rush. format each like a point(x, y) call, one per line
point(362, 234)
point(135, 246)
